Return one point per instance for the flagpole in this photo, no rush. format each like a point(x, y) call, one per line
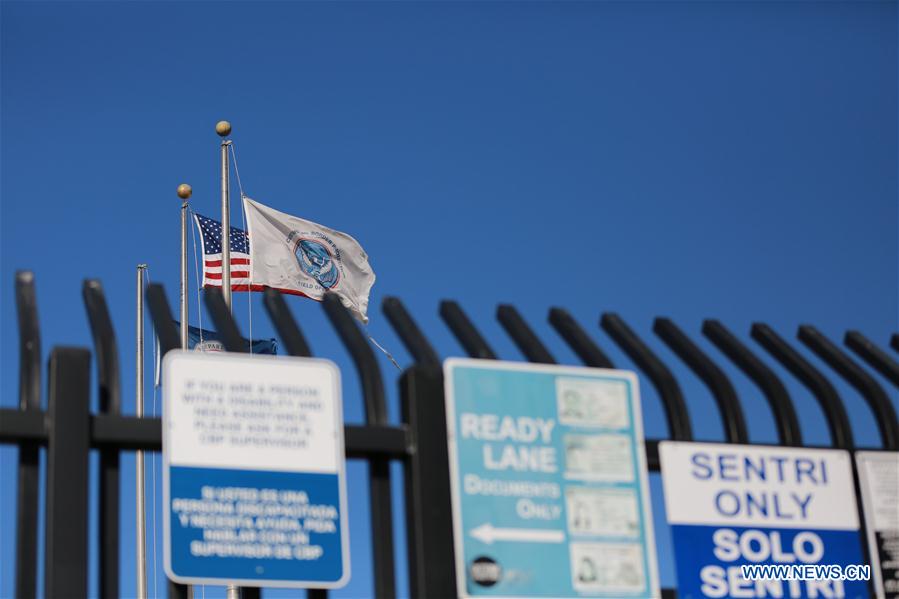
point(223, 128)
point(184, 191)
point(139, 411)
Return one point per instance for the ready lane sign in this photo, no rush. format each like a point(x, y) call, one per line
point(253, 482)
point(878, 476)
point(550, 492)
point(735, 505)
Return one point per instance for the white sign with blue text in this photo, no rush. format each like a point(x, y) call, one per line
point(254, 490)
point(550, 490)
point(734, 505)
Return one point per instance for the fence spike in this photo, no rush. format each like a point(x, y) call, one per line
point(163, 323)
point(407, 329)
point(873, 355)
point(788, 430)
point(465, 332)
point(523, 336)
point(578, 339)
point(814, 381)
point(669, 391)
point(732, 420)
point(864, 383)
point(224, 322)
point(287, 327)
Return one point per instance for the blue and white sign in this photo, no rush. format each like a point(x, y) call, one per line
point(735, 505)
point(253, 484)
point(549, 481)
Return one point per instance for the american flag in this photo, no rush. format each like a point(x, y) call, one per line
point(211, 234)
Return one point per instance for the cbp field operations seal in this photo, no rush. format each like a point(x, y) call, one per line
point(317, 256)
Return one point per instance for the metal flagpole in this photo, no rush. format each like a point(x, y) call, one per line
point(223, 128)
point(184, 191)
point(139, 410)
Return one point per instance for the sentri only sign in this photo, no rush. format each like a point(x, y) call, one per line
point(734, 505)
point(549, 481)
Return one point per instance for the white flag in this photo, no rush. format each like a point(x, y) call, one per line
point(298, 256)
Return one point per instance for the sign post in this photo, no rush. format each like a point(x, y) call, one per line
point(549, 481)
point(253, 484)
point(735, 505)
point(878, 475)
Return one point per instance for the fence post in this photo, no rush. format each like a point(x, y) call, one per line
point(164, 326)
point(295, 343)
point(429, 524)
point(107, 353)
point(429, 519)
point(68, 443)
point(233, 342)
point(29, 452)
point(378, 467)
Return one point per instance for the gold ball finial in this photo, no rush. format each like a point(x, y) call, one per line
point(223, 128)
point(184, 191)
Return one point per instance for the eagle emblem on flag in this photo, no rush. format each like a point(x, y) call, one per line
point(315, 260)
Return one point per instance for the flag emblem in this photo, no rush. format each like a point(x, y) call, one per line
point(211, 235)
point(315, 259)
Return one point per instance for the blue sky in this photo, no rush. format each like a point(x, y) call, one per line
point(735, 160)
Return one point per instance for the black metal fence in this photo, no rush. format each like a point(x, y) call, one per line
point(69, 431)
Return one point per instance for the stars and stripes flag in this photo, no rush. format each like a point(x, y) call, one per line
point(211, 234)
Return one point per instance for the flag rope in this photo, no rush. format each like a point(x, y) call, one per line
point(196, 272)
point(237, 171)
point(243, 225)
point(386, 353)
